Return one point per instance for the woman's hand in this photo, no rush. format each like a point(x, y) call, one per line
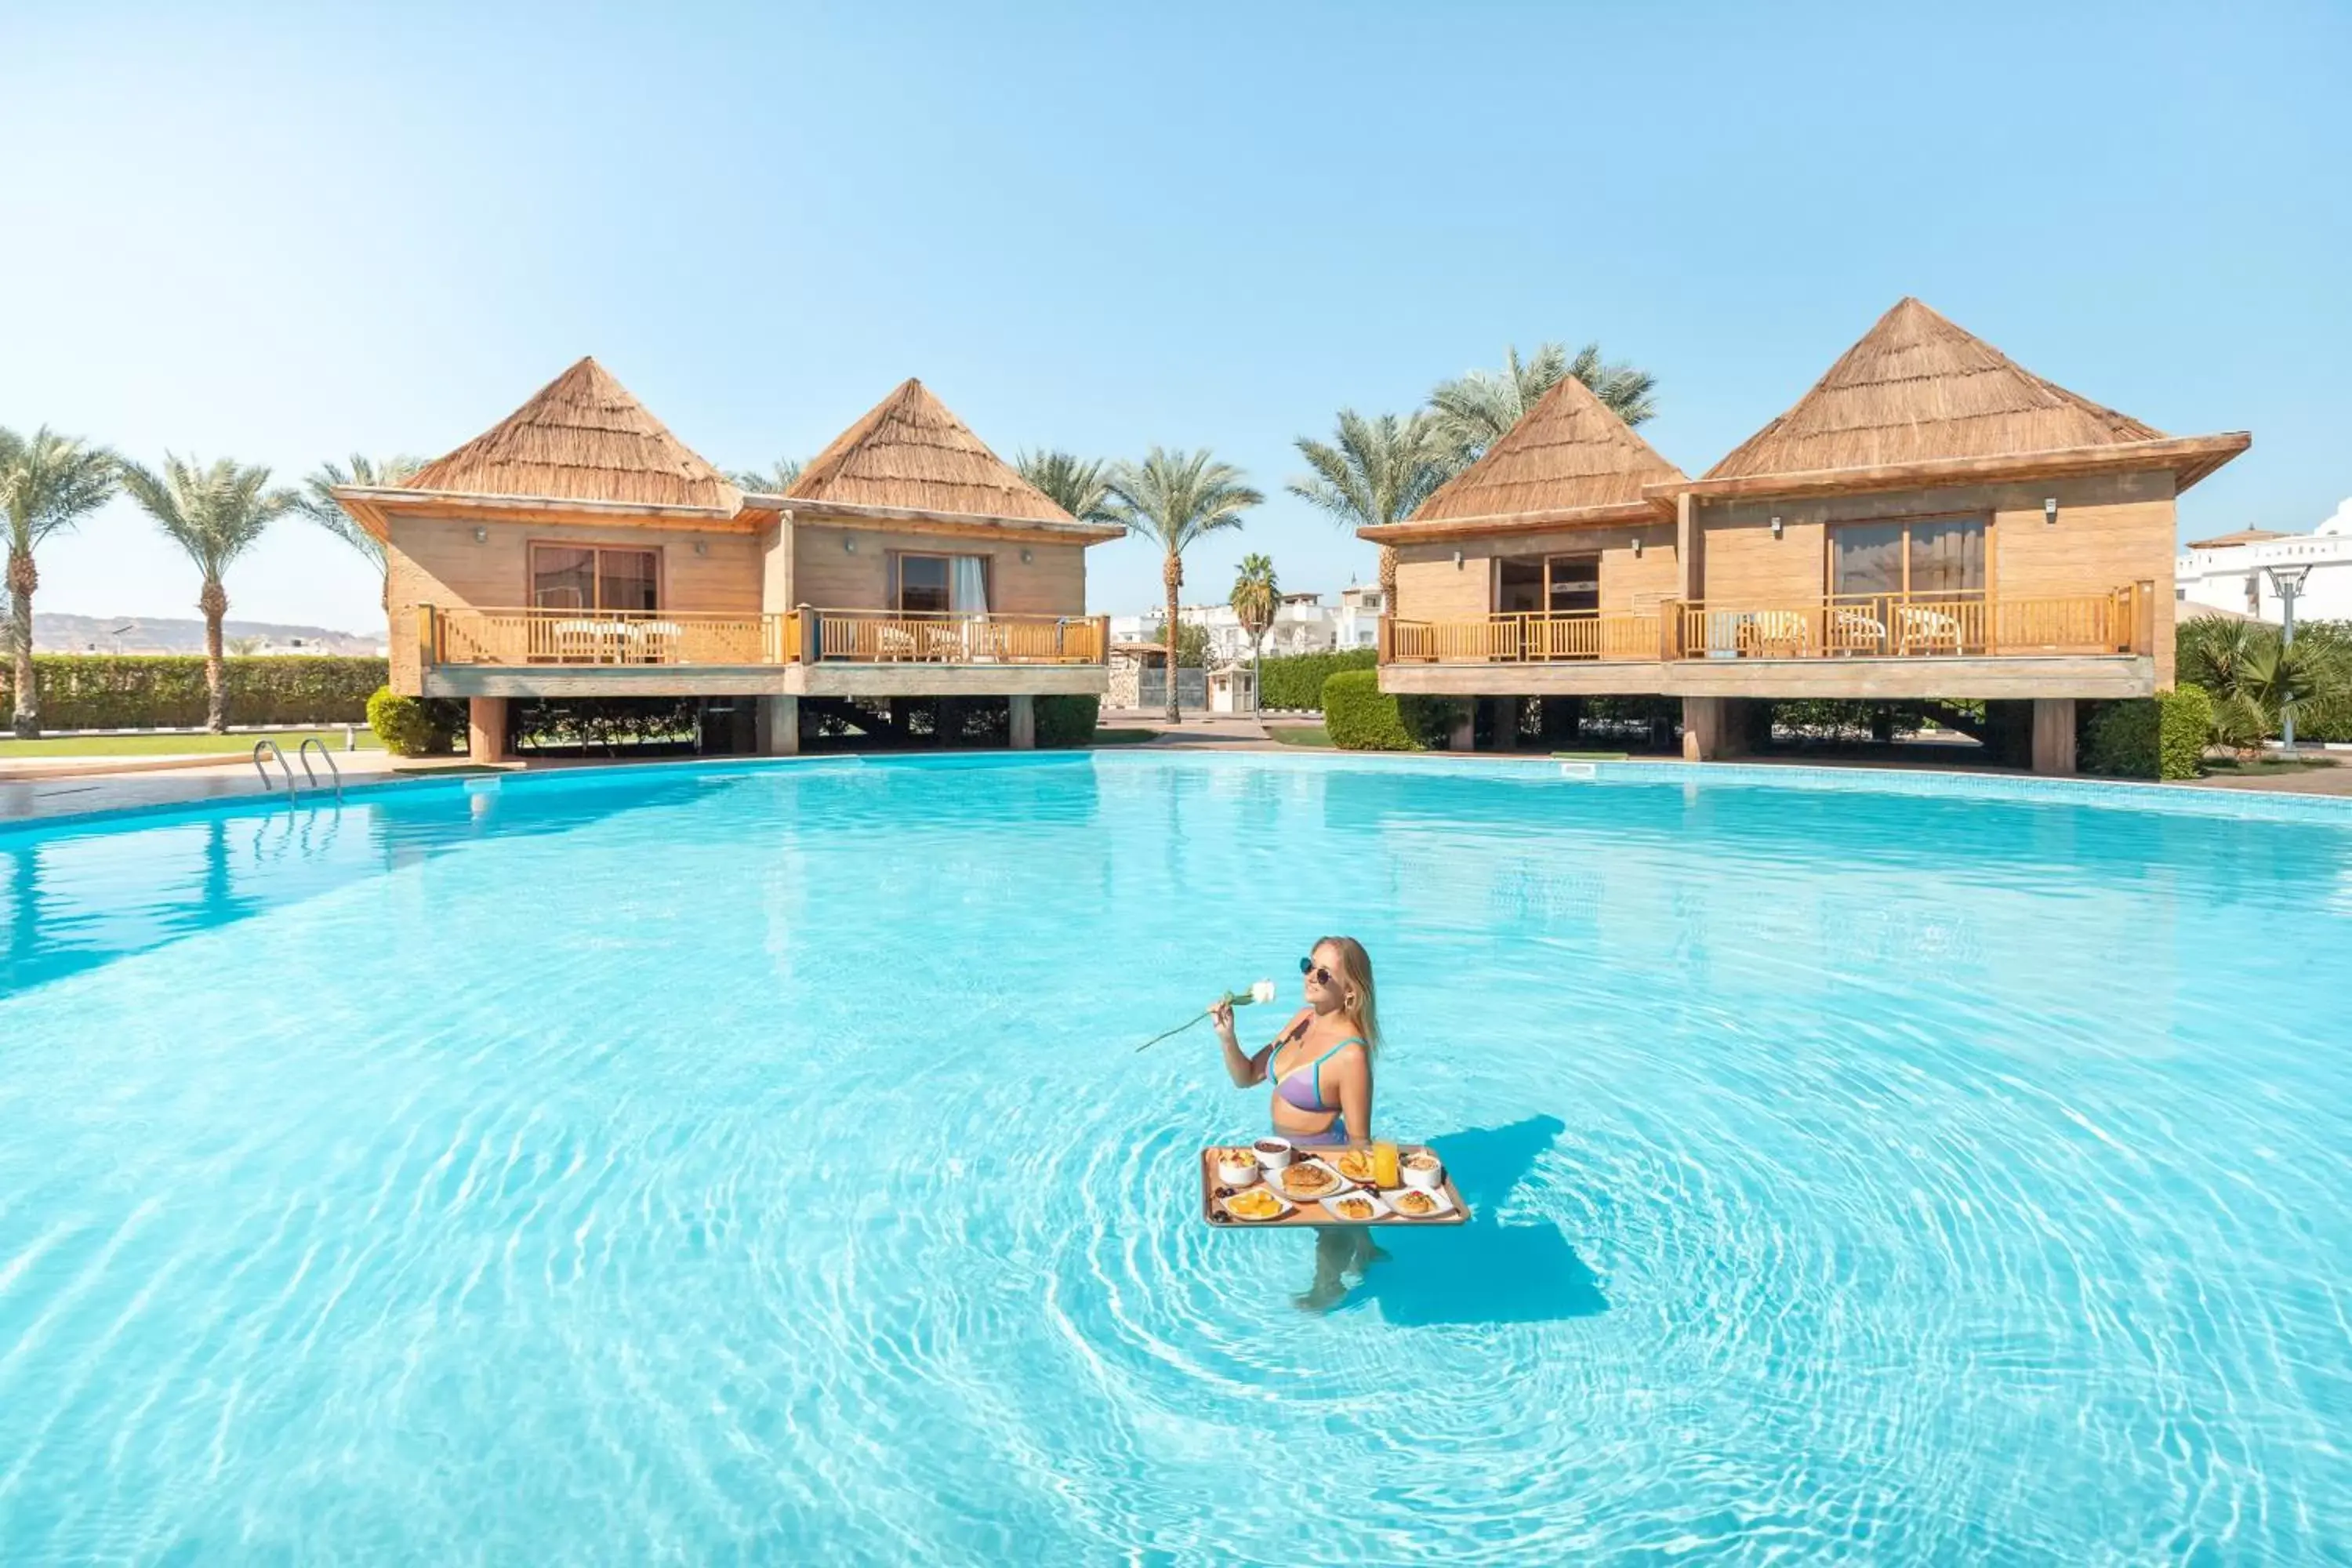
point(1222, 1016)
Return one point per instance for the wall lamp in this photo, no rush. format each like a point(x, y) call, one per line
point(2049, 510)
point(849, 542)
point(1776, 528)
point(702, 547)
point(481, 535)
point(1637, 547)
point(1458, 561)
point(1025, 556)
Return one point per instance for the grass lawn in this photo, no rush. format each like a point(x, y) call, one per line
point(174, 745)
point(1122, 737)
point(1299, 734)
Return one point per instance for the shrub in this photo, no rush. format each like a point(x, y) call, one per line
point(1823, 719)
point(140, 691)
point(1296, 680)
point(2186, 730)
point(604, 724)
point(1067, 720)
point(2159, 737)
point(404, 724)
point(1360, 717)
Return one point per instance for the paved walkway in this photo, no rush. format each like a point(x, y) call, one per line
point(28, 796)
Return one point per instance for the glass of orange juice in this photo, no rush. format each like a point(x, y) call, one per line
point(1384, 1164)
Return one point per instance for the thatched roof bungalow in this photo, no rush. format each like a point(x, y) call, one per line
point(579, 548)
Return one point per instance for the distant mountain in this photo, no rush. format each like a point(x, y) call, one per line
point(142, 634)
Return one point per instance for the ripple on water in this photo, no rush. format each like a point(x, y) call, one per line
point(665, 1167)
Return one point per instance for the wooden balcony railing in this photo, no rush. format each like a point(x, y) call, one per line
point(1902, 626)
point(888, 636)
point(1513, 639)
point(685, 638)
point(1848, 626)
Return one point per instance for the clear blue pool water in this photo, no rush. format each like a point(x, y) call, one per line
point(697, 1165)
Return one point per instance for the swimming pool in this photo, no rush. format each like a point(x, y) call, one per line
point(696, 1162)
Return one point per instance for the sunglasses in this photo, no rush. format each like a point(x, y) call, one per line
point(1314, 972)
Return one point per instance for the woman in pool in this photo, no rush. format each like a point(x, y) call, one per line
point(1321, 1069)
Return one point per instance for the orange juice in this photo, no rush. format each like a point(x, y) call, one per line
point(1384, 1165)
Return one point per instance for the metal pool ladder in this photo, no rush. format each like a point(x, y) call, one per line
point(334, 773)
point(270, 746)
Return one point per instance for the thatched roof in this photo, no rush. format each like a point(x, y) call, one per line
point(2242, 536)
point(581, 438)
point(909, 453)
point(1917, 388)
point(1568, 460)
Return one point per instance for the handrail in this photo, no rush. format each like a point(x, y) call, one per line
point(1968, 623)
point(491, 635)
point(266, 744)
point(333, 772)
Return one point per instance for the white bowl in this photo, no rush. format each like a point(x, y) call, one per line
point(1428, 1180)
point(1273, 1154)
point(1237, 1173)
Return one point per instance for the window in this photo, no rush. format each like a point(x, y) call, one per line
point(1547, 584)
point(578, 577)
point(1924, 556)
point(937, 584)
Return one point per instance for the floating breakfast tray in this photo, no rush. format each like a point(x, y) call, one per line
point(1214, 1191)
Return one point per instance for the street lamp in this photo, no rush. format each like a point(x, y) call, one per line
point(2286, 581)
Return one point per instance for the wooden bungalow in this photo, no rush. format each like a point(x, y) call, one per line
point(1930, 521)
point(579, 549)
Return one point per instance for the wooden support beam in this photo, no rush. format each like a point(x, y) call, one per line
point(485, 730)
point(1022, 730)
point(2053, 734)
point(779, 726)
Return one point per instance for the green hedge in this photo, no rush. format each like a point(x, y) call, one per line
point(1067, 720)
point(1360, 717)
point(2159, 737)
point(1296, 680)
point(138, 692)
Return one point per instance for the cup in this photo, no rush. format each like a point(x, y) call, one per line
point(1273, 1154)
point(1236, 1173)
point(1421, 1169)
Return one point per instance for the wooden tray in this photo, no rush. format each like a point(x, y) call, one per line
point(1313, 1214)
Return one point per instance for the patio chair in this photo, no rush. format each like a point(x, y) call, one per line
point(1856, 631)
point(1776, 634)
point(1928, 631)
point(655, 642)
point(944, 644)
point(579, 642)
point(893, 642)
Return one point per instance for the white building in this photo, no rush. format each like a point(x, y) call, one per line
point(1303, 623)
point(2230, 573)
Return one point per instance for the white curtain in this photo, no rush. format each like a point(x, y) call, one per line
point(968, 587)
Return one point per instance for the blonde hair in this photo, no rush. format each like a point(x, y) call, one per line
point(1354, 972)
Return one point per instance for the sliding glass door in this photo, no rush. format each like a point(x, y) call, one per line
point(1916, 586)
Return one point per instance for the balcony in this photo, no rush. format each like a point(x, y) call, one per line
point(1876, 645)
point(804, 651)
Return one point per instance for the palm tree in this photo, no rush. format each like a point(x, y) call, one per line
point(1473, 410)
point(48, 483)
point(2256, 677)
point(1079, 486)
point(317, 503)
point(215, 514)
point(1176, 499)
point(1255, 597)
point(777, 478)
point(1376, 471)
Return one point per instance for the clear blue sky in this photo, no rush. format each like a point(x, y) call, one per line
point(282, 235)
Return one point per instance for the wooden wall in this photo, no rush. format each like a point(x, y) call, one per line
point(826, 575)
point(2113, 529)
point(1429, 587)
point(437, 561)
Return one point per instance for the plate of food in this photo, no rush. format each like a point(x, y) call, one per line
point(1415, 1203)
point(1359, 1207)
point(1256, 1205)
point(1356, 1164)
point(1308, 1180)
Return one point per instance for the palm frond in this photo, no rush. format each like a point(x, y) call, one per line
point(775, 479)
point(1376, 471)
point(215, 513)
point(1476, 408)
point(1079, 486)
point(1176, 499)
point(50, 482)
point(316, 500)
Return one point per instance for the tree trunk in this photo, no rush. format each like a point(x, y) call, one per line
point(1173, 575)
point(22, 580)
point(213, 603)
point(1388, 577)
